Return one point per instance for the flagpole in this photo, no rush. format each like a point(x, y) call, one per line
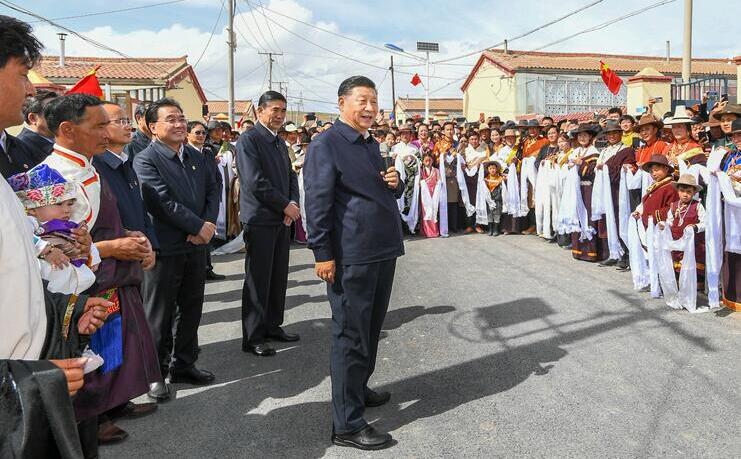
point(427, 90)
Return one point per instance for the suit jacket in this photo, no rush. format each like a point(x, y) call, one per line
point(352, 216)
point(122, 180)
point(18, 158)
point(39, 145)
point(267, 181)
point(179, 197)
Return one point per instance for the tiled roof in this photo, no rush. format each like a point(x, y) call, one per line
point(450, 105)
point(222, 106)
point(146, 68)
point(518, 61)
point(581, 116)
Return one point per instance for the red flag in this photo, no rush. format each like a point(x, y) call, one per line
point(416, 79)
point(611, 79)
point(88, 85)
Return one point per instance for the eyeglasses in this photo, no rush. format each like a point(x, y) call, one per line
point(122, 121)
point(199, 132)
point(180, 120)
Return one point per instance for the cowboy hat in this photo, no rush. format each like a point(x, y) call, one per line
point(484, 126)
point(612, 126)
point(648, 119)
point(679, 117)
point(533, 123)
point(509, 133)
point(687, 180)
point(586, 127)
point(734, 109)
point(493, 162)
point(660, 160)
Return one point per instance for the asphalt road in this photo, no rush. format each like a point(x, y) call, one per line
point(492, 347)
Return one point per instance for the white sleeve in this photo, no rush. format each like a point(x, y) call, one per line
point(701, 218)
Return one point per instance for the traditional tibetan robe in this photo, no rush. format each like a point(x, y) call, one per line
point(532, 146)
point(430, 202)
point(475, 156)
point(594, 249)
point(75, 167)
point(644, 153)
point(494, 185)
point(690, 152)
point(731, 272)
point(678, 218)
point(630, 139)
point(657, 200)
point(442, 147)
point(510, 223)
point(614, 157)
point(126, 334)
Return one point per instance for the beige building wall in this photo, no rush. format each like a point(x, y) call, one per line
point(646, 84)
point(491, 92)
point(187, 96)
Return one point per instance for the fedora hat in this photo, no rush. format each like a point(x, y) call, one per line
point(612, 126)
point(661, 160)
point(533, 123)
point(734, 109)
point(679, 117)
point(687, 180)
point(648, 119)
point(493, 162)
point(510, 132)
point(484, 126)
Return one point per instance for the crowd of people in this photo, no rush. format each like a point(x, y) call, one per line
point(110, 223)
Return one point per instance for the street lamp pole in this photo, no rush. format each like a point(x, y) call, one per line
point(427, 89)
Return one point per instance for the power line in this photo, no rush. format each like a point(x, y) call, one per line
point(268, 27)
point(213, 31)
point(100, 13)
point(259, 30)
point(576, 11)
point(606, 24)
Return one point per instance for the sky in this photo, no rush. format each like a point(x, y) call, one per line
point(314, 61)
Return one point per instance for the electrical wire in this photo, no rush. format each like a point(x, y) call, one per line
point(100, 13)
point(213, 31)
point(522, 35)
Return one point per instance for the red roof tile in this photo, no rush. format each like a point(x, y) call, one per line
point(222, 106)
point(146, 68)
point(442, 104)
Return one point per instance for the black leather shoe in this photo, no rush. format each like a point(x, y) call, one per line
point(608, 262)
point(367, 438)
point(623, 265)
point(159, 392)
point(192, 375)
point(210, 275)
point(373, 398)
point(281, 335)
point(262, 350)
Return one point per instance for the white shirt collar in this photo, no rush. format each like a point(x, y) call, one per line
point(122, 156)
point(196, 147)
point(275, 134)
point(4, 141)
point(366, 134)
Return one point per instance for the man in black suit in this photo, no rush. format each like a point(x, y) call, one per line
point(143, 136)
point(36, 135)
point(355, 232)
point(267, 207)
point(182, 198)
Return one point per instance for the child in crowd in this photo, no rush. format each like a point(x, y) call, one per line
point(660, 194)
point(494, 179)
point(430, 196)
point(687, 212)
point(49, 199)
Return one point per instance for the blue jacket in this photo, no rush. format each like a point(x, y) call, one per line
point(125, 186)
point(180, 197)
point(352, 216)
point(267, 181)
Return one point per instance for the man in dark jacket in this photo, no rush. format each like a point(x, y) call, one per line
point(182, 197)
point(267, 207)
point(143, 136)
point(37, 135)
point(355, 233)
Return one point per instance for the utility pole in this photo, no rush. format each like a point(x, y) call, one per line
point(687, 55)
point(427, 90)
point(270, 66)
point(232, 45)
point(393, 91)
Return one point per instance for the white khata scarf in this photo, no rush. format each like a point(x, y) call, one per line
point(459, 171)
point(430, 202)
point(602, 205)
point(443, 199)
point(684, 295)
point(638, 256)
point(629, 181)
point(572, 214)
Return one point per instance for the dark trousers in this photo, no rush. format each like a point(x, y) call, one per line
point(453, 226)
point(470, 221)
point(359, 299)
point(265, 281)
point(175, 285)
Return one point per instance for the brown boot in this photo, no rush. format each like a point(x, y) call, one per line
point(109, 433)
